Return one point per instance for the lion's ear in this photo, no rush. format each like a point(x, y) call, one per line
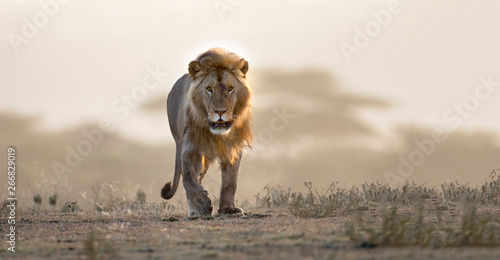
point(194, 68)
point(243, 66)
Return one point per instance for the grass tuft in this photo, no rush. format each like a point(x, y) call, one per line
point(413, 229)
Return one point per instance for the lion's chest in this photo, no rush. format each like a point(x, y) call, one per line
point(213, 146)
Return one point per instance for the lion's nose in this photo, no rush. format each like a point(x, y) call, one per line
point(220, 111)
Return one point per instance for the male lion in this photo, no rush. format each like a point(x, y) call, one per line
point(209, 116)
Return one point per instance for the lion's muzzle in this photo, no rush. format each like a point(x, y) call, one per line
point(220, 124)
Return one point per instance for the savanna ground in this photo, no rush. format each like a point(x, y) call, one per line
point(372, 221)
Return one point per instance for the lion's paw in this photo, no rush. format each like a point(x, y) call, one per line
point(201, 205)
point(230, 210)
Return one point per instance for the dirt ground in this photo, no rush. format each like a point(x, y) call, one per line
point(258, 234)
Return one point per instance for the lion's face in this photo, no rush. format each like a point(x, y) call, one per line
point(221, 96)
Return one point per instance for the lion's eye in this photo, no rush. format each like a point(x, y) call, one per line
point(209, 89)
point(230, 88)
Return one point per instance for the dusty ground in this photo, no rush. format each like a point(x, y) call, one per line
point(259, 234)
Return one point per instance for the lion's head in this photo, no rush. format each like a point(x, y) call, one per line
point(219, 93)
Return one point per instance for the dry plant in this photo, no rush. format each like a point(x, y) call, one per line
point(399, 229)
point(487, 194)
point(104, 200)
point(337, 201)
point(332, 201)
point(405, 195)
point(274, 197)
point(314, 204)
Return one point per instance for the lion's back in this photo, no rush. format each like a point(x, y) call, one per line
point(175, 106)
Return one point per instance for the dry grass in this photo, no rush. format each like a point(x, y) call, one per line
point(419, 224)
point(487, 194)
point(417, 228)
point(373, 221)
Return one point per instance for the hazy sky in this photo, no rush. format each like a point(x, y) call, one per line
point(424, 59)
point(381, 73)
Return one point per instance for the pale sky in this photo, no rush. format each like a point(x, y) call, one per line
point(414, 65)
point(87, 54)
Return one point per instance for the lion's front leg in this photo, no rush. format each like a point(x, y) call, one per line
point(228, 188)
point(198, 201)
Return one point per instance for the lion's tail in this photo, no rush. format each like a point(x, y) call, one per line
point(168, 191)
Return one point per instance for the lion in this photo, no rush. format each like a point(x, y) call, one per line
point(210, 119)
